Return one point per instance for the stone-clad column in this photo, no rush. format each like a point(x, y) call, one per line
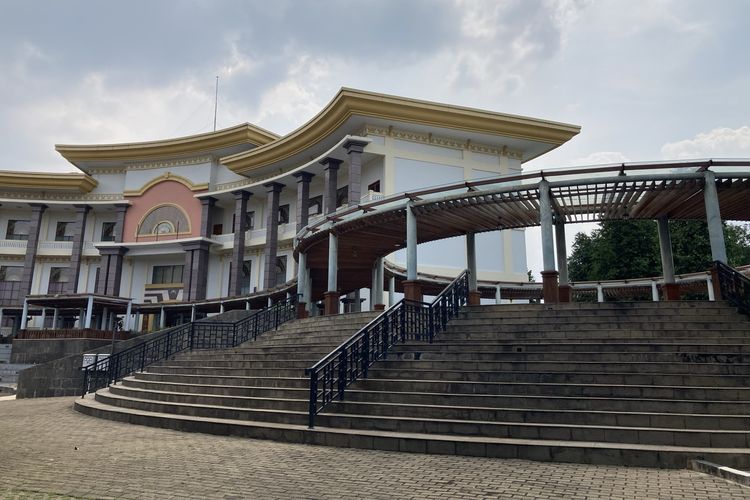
point(354, 149)
point(110, 272)
point(195, 275)
point(550, 289)
point(207, 212)
point(238, 252)
point(303, 198)
point(272, 233)
point(331, 184)
point(79, 230)
point(27, 276)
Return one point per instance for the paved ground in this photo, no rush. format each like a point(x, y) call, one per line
point(47, 450)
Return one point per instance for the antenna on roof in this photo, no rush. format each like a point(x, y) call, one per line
point(216, 101)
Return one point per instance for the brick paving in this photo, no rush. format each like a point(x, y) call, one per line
point(47, 450)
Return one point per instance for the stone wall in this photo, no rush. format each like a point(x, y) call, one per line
point(63, 377)
point(44, 350)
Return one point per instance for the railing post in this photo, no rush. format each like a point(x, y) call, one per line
point(85, 382)
point(343, 361)
point(192, 335)
point(143, 355)
point(312, 408)
point(402, 325)
point(366, 353)
point(431, 319)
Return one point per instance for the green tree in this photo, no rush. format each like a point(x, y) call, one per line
point(630, 249)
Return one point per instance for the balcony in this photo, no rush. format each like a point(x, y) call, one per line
point(55, 248)
point(12, 247)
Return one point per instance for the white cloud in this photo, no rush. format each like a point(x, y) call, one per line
point(718, 143)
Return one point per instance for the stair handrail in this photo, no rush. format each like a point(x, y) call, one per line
point(406, 320)
point(734, 286)
point(188, 336)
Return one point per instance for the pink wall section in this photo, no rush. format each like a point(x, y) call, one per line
point(166, 191)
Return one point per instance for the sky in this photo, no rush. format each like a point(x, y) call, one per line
point(646, 80)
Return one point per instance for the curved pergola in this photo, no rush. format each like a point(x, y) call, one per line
point(361, 235)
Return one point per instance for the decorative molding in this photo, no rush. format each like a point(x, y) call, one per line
point(181, 162)
point(106, 170)
point(167, 176)
point(44, 196)
point(445, 142)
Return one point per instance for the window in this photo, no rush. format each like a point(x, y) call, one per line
point(164, 219)
point(10, 273)
point(63, 231)
point(280, 270)
point(246, 272)
point(218, 229)
point(375, 186)
point(164, 227)
point(342, 196)
point(108, 231)
point(17, 230)
point(58, 278)
point(284, 214)
point(250, 220)
point(316, 206)
point(162, 275)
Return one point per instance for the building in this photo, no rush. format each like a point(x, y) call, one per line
point(196, 222)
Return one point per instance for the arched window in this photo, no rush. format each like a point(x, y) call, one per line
point(164, 219)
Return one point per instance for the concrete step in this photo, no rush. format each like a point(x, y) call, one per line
point(449, 355)
point(531, 449)
point(266, 362)
point(664, 327)
point(254, 391)
point(229, 372)
point(634, 367)
point(299, 381)
point(616, 335)
point(540, 376)
point(441, 345)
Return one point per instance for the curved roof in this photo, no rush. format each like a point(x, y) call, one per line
point(47, 181)
point(237, 135)
point(351, 102)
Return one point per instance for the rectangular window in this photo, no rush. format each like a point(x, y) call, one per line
point(64, 231)
point(284, 214)
point(250, 220)
point(10, 273)
point(246, 285)
point(218, 229)
point(17, 230)
point(108, 231)
point(280, 270)
point(342, 196)
point(58, 278)
point(375, 186)
point(163, 275)
point(316, 205)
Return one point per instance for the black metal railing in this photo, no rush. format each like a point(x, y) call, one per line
point(407, 320)
point(195, 335)
point(735, 288)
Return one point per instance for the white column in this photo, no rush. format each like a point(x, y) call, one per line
point(710, 285)
point(665, 247)
point(411, 244)
point(192, 313)
point(373, 286)
point(162, 319)
point(471, 261)
point(44, 317)
point(654, 292)
point(713, 218)
point(333, 258)
point(103, 319)
point(89, 312)
point(128, 312)
point(498, 296)
point(599, 293)
point(391, 291)
point(302, 277)
point(381, 277)
point(1, 317)
point(55, 317)
point(24, 314)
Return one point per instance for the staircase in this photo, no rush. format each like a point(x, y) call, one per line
point(646, 384)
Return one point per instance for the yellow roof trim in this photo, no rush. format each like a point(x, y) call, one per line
point(239, 134)
point(167, 177)
point(351, 102)
point(48, 181)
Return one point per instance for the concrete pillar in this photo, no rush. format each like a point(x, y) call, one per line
point(332, 295)
point(713, 218)
point(550, 290)
point(599, 293)
point(498, 296)
point(654, 292)
point(272, 233)
point(44, 318)
point(710, 285)
point(671, 289)
point(303, 198)
point(391, 291)
point(207, 216)
point(25, 314)
point(308, 292)
point(162, 319)
point(564, 291)
point(104, 319)
point(35, 224)
point(89, 312)
point(55, 317)
point(79, 230)
point(412, 288)
point(377, 304)
point(354, 149)
point(475, 298)
point(331, 184)
point(128, 312)
point(238, 251)
point(302, 297)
